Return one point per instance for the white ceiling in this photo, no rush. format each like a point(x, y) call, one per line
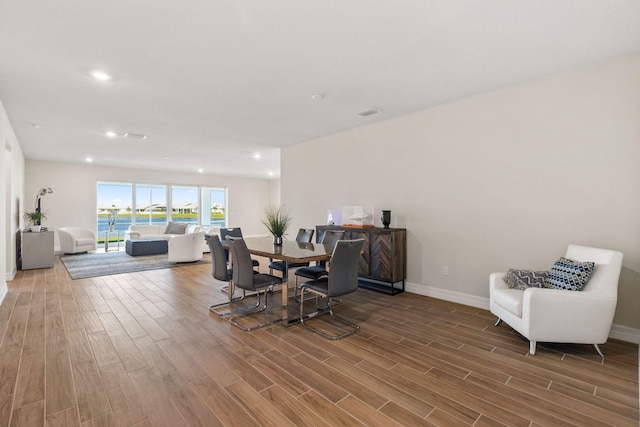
point(211, 82)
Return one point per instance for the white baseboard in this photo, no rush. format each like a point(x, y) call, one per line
point(624, 333)
point(3, 291)
point(444, 294)
point(618, 332)
point(10, 275)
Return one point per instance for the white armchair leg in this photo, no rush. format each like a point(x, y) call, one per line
point(498, 322)
point(532, 347)
point(598, 350)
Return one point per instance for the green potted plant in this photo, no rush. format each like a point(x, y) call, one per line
point(277, 221)
point(34, 218)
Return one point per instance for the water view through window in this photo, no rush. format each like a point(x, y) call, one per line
point(115, 203)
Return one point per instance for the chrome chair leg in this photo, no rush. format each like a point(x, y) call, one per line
point(354, 327)
point(216, 307)
point(252, 311)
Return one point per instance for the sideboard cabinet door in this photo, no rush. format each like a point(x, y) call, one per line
point(383, 264)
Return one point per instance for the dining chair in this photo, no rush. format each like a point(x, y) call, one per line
point(315, 272)
point(304, 236)
point(235, 232)
point(243, 277)
point(342, 280)
point(220, 271)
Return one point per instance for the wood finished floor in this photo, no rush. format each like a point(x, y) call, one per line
point(142, 349)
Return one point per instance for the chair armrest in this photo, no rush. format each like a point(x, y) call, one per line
point(496, 282)
point(585, 316)
point(66, 239)
point(131, 235)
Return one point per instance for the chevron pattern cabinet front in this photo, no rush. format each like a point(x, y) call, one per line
point(383, 263)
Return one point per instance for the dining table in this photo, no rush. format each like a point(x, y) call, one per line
point(288, 252)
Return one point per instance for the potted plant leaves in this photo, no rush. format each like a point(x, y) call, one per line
point(34, 218)
point(277, 220)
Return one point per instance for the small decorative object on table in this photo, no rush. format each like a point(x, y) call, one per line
point(357, 216)
point(277, 221)
point(113, 216)
point(386, 218)
point(34, 219)
point(330, 219)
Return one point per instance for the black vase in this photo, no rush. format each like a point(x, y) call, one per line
point(386, 218)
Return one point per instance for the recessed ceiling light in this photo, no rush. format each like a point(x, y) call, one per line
point(200, 170)
point(100, 75)
point(34, 125)
point(135, 136)
point(270, 173)
point(165, 157)
point(256, 155)
point(317, 97)
point(88, 159)
point(370, 112)
point(111, 134)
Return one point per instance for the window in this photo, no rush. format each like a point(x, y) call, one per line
point(184, 204)
point(213, 206)
point(191, 204)
point(115, 197)
point(151, 204)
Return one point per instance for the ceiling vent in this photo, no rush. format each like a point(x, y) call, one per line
point(370, 112)
point(135, 136)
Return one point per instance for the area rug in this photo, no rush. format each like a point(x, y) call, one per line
point(102, 264)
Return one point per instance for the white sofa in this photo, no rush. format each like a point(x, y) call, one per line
point(186, 247)
point(74, 240)
point(553, 315)
point(142, 232)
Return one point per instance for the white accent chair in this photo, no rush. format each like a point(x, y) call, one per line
point(186, 247)
point(75, 240)
point(552, 315)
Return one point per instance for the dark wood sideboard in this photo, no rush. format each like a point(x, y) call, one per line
point(383, 265)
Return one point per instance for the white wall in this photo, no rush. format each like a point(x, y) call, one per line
point(504, 179)
point(11, 198)
point(73, 202)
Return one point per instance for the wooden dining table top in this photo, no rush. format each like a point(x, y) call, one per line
point(290, 251)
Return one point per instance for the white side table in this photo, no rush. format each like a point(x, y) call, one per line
point(106, 239)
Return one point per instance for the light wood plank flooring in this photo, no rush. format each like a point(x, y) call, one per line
point(142, 349)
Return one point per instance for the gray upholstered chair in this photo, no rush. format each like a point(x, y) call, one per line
point(235, 232)
point(342, 280)
point(243, 277)
point(220, 271)
point(558, 315)
point(304, 236)
point(314, 272)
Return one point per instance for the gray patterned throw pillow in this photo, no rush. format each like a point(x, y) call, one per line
point(523, 279)
point(569, 274)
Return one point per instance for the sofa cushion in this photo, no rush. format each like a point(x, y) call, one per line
point(523, 279)
point(176, 227)
point(85, 241)
point(569, 275)
point(510, 300)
